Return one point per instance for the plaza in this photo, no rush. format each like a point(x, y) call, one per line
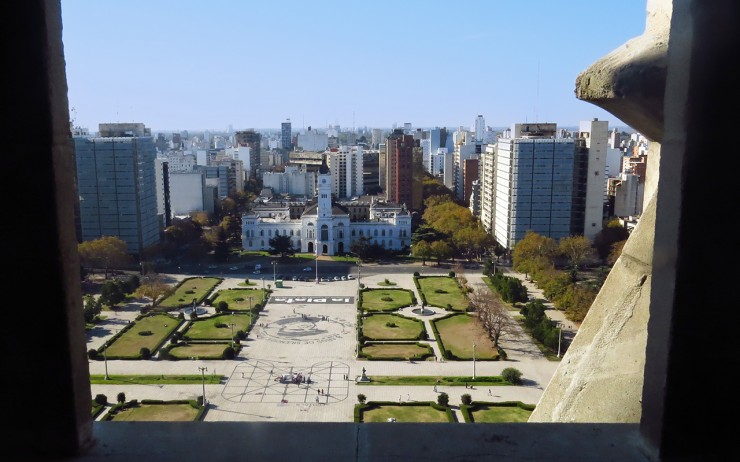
point(308, 330)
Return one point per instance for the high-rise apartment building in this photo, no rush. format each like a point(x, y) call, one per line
point(487, 186)
point(116, 186)
point(253, 141)
point(479, 128)
point(346, 167)
point(286, 135)
point(398, 167)
point(534, 184)
point(595, 133)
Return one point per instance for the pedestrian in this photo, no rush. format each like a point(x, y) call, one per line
point(399, 399)
point(489, 392)
point(317, 400)
point(408, 397)
point(435, 388)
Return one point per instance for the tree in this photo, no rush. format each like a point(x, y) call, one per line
point(121, 397)
point(512, 375)
point(233, 227)
point(107, 252)
point(443, 399)
point(615, 252)
point(493, 315)
point(361, 398)
point(441, 251)
point(111, 293)
point(153, 287)
point(281, 245)
point(611, 233)
point(576, 249)
point(466, 399)
point(534, 252)
point(423, 250)
point(361, 247)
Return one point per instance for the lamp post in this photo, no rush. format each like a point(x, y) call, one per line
point(105, 359)
point(560, 335)
point(231, 324)
point(317, 261)
point(474, 361)
point(203, 374)
point(359, 271)
point(274, 271)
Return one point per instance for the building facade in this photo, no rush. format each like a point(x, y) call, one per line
point(116, 186)
point(326, 227)
point(534, 187)
point(398, 167)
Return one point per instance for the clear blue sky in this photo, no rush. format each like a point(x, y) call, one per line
point(177, 65)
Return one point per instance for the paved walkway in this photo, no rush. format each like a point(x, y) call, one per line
point(316, 340)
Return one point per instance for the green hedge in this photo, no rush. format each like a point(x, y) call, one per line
point(467, 409)
point(422, 357)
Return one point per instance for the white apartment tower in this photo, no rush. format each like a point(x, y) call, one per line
point(346, 169)
point(596, 134)
point(487, 181)
point(479, 128)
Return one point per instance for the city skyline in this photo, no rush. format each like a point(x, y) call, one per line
point(190, 66)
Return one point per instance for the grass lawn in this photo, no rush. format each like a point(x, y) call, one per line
point(157, 413)
point(194, 379)
point(396, 351)
point(218, 327)
point(441, 291)
point(199, 350)
point(128, 344)
point(375, 327)
point(189, 289)
point(240, 299)
point(372, 299)
point(488, 413)
point(431, 380)
point(348, 258)
point(424, 414)
point(459, 332)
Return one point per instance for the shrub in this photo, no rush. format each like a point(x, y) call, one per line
point(145, 353)
point(240, 334)
point(101, 399)
point(199, 400)
point(362, 286)
point(145, 332)
point(229, 353)
point(121, 398)
point(361, 398)
point(466, 399)
point(92, 353)
point(443, 399)
point(246, 281)
point(221, 306)
point(390, 324)
point(386, 299)
point(451, 274)
point(440, 291)
point(386, 281)
point(181, 315)
point(416, 273)
point(190, 292)
point(512, 375)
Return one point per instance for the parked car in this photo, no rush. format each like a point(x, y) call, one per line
point(308, 268)
point(234, 268)
point(349, 276)
point(343, 278)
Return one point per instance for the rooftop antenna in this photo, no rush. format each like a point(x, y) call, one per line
point(537, 97)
